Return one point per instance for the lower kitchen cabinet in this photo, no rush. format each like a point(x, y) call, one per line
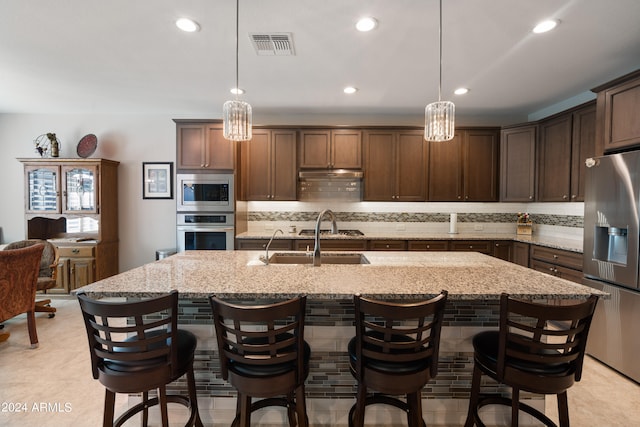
point(259, 244)
point(76, 268)
point(387, 245)
point(521, 253)
point(428, 245)
point(482, 246)
point(503, 249)
point(332, 245)
point(560, 263)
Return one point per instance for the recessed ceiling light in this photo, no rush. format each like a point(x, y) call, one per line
point(187, 25)
point(545, 26)
point(461, 91)
point(350, 89)
point(237, 91)
point(366, 24)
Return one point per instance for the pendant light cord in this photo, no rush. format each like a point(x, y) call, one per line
point(237, 44)
point(440, 35)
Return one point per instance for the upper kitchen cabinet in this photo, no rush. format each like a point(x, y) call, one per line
point(201, 146)
point(566, 140)
point(268, 165)
point(618, 121)
point(395, 165)
point(330, 149)
point(465, 168)
point(518, 163)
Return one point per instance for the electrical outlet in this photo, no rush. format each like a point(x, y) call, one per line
point(268, 227)
point(478, 227)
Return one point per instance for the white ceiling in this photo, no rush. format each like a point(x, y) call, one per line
point(127, 56)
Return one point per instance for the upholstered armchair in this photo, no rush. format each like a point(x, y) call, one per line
point(18, 281)
point(47, 273)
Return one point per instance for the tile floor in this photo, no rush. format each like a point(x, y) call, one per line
point(52, 386)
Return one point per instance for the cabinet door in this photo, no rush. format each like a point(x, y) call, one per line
point(346, 149)
point(428, 245)
point(483, 246)
point(62, 276)
point(42, 189)
point(387, 245)
point(410, 167)
point(315, 149)
point(554, 160)
point(620, 105)
point(219, 152)
point(81, 272)
point(445, 170)
point(191, 147)
point(283, 165)
point(517, 164)
point(521, 253)
point(583, 146)
point(503, 249)
point(80, 189)
point(256, 166)
point(379, 166)
point(480, 165)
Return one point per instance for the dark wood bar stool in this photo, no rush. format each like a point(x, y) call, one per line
point(263, 355)
point(137, 347)
point(539, 348)
point(395, 352)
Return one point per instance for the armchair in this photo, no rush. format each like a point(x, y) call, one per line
point(18, 281)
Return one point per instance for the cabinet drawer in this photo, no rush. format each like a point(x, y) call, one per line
point(332, 245)
point(483, 246)
point(428, 245)
point(387, 245)
point(259, 244)
point(557, 256)
point(556, 270)
point(76, 251)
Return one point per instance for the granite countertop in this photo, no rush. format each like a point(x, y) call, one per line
point(572, 245)
point(390, 275)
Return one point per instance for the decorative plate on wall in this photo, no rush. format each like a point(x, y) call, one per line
point(87, 145)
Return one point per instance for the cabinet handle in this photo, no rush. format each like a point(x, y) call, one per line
point(387, 246)
point(470, 246)
point(530, 197)
point(564, 197)
point(459, 197)
point(555, 256)
point(573, 196)
point(428, 246)
point(466, 197)
point(75, 251)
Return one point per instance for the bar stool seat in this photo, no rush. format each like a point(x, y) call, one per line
point(395, 352)
point(538, 348)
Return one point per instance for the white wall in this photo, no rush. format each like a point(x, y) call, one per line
point(145, 225)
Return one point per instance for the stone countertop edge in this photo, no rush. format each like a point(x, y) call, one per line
point(390, 275)
point(572, 245)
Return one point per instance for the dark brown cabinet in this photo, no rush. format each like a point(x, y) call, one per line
point(387, 245)
point(332, 245)
point(428, 245)
point(466, 168)
point(268, 165)
point(395, 165)
point(482, 246)
point(618, 124)
point(558, 262)
point(521, 253)
point(503, 249)
point(201, 146)
point(331, 149)
point(565, 142)
point(518, 163)
point(260, 244)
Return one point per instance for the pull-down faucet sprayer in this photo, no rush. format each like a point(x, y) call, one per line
point(334, 230)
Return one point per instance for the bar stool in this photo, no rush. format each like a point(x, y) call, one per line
point(539, 348)
point(136, 347)
point(263, 355)
point(395, 352)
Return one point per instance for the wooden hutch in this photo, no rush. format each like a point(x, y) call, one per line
point(73, 203)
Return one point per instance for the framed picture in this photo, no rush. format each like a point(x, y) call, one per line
point(157, 180)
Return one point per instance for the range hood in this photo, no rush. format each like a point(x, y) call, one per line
point(323, 174)
point(330, 185)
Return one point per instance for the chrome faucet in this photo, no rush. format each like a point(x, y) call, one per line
point(334, 230)
point(265, 258)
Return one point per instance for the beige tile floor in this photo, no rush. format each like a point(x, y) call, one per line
point(52, 386)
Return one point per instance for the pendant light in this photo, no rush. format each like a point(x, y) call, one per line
point(439, 117)
point(236, 114)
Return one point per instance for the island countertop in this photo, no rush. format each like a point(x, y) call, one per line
point(390, 275)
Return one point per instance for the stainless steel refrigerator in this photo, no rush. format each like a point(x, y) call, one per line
point(611, 234)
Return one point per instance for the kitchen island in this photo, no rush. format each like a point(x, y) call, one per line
point(474, 282)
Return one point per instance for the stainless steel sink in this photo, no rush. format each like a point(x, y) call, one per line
point(324, 232)
point(305, 258)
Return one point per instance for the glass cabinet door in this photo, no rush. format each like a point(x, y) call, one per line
point(80, 189)
point(43, 189)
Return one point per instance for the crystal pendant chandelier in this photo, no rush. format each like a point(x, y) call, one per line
point(236, 114)
point(439, 117)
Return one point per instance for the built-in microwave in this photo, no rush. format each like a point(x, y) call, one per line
point(205, 192)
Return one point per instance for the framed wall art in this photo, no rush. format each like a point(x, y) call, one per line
point(157, 180)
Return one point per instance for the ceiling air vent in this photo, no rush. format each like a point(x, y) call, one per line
point(274, 44)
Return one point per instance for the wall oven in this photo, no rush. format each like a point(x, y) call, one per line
point(205, 192)
point(205, 231)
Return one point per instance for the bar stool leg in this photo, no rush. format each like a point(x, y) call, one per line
point(474, 397)
point(515, 406)
point(361, 397)
point(563, 410)
point(245, 410)
point(109, 406)
point(163, 406)
point(301, 407)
